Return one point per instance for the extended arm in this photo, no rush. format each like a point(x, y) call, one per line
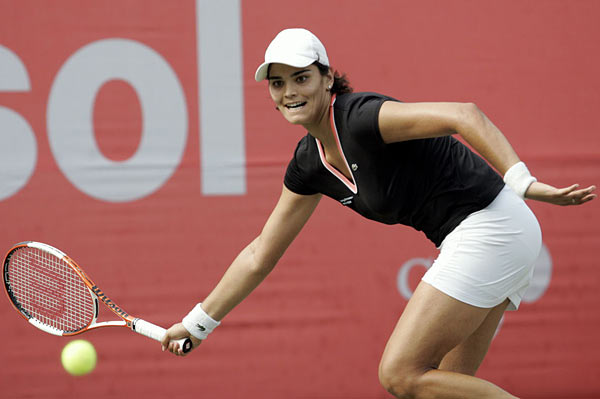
point(409, 121)
point(255, 261)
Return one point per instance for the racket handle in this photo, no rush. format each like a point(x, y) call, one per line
point(157, 333)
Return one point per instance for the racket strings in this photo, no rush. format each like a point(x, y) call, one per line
point(49, 290)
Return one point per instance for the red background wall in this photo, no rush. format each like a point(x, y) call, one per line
point(317, 326)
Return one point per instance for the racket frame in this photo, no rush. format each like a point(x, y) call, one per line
point(146, 328)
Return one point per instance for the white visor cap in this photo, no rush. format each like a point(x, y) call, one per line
point(294, 47)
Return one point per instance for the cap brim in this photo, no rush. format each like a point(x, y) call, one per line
point(296, 61)
point(261, 72)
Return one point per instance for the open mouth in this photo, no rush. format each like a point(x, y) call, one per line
point(295, 105)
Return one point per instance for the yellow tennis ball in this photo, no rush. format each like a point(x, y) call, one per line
point(78, 357)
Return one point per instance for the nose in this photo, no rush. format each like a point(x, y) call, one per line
point(290, 90)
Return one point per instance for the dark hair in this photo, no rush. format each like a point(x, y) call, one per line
point(341, 85)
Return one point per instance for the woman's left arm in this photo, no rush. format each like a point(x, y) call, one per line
point(410, 121)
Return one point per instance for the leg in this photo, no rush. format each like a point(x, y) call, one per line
point(432, 325)
point(468, 355)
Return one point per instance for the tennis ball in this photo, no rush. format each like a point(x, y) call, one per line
point(78, 357)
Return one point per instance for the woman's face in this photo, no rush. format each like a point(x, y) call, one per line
point(300, 94)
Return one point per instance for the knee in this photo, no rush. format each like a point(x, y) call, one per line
point(399, 380)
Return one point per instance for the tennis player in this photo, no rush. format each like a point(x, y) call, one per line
point(397, 163)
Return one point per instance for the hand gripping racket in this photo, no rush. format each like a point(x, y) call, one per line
point(51, 291)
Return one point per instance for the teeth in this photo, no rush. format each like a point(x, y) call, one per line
point(295, 105)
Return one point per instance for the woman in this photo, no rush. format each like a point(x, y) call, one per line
point(397, 163)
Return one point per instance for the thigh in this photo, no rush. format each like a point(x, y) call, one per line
point(431, 325)
point(467, 356)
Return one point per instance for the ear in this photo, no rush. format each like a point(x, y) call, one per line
point(329, 79)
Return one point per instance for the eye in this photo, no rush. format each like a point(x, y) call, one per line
point(302, 78)
point(276, 84)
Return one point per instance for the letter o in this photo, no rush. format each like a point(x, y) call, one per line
point(542, 276)
point(70, 120)
point(404, 272)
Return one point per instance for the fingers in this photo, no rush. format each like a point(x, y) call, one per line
point(572, 196)
point(581, 196)
point(170, 335)
point(568, 190)
point(175, 349)
point(587, 194)
point(165, 341)
point(176, 332)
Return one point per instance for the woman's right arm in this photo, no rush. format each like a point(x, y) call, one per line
point(255, 261)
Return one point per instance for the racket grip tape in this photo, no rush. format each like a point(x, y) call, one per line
point(157, 333)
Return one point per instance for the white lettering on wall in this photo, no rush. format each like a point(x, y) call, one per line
point(70, 120)
point(222, 146)
point(18, 148)
point(69, 114)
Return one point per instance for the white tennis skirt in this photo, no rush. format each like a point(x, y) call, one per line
point(490, 255)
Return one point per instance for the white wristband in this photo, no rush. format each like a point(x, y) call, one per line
point(199, 323)
point(518, 178)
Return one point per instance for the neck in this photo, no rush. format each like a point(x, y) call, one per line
point(321, 130)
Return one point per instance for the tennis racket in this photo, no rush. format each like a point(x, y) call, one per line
point(54, 294)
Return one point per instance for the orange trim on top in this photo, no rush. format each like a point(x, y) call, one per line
point(350, 184)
